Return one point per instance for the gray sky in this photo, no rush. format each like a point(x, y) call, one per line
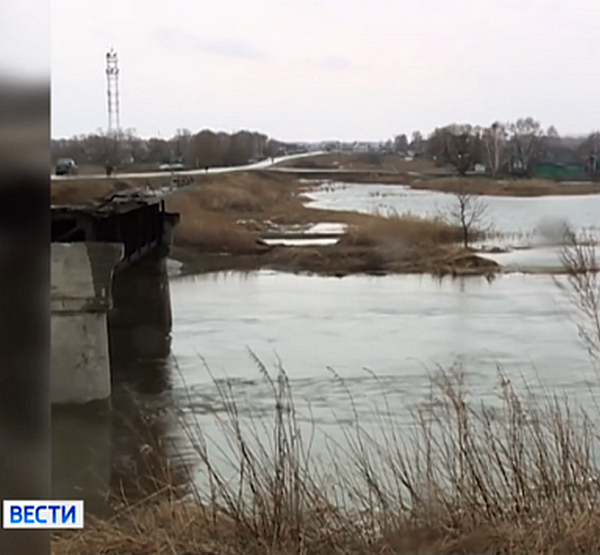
point(319, 69)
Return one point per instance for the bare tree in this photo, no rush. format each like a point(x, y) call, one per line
point(589, 150)
point(240, 149)
point(203, 149)
point(458, 145)
point(582, 287)
point(416, 144)
point(400, 143)
point(494, 147)
point(553, 134)
point(526, 141)
point(182, 142)
point(206, 149)
point(469, 213)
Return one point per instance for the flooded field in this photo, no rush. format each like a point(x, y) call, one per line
point(518, 221)
point(351, 347)
point(397, 327)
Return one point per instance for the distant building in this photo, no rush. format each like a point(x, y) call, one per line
point(559, 163)
point(555, 170)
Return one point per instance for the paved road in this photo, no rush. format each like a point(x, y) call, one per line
point(265, 164)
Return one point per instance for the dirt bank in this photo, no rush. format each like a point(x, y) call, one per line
point(223, 220)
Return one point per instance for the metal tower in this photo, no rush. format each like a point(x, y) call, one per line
point(112, 82)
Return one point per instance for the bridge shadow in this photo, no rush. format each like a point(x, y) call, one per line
point(125, 447)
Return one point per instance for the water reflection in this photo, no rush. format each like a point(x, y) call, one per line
point(81, 454)
point(116, 447)
point(401, 327)
point(346, 345)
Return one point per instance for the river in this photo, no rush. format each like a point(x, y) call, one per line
point(521, 221)
point(331, 336)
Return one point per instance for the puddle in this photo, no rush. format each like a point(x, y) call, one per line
point(328, 228)
point(312, 242)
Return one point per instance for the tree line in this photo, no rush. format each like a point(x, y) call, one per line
point(502, 148)
point(195, 150)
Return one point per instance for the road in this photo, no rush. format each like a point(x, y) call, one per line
point(264, 164)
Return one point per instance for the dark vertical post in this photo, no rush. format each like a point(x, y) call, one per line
point(24, 306)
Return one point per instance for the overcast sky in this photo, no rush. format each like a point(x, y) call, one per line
point(320, 69)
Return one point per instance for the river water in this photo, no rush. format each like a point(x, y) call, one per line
point(330, 335)
point(520, 220)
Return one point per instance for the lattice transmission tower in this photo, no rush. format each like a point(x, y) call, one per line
point(112, 82)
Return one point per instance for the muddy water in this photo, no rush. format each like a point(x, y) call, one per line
point(398, 327)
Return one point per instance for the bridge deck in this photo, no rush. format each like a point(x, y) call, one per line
point(141, 224)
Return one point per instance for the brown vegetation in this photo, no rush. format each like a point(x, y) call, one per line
point(424, 173)
point(341, 260)
point(511, 188)
point(229, 213)
point(87, 191)
point(210, 213)
point(462, 478)
point(366, 161)
point(401, 229)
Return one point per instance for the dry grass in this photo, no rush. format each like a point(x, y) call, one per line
point(518, 476)
point(228, 213)
point(85, 191)
point(408, 244)
point(211, 212)
point(341, 260)
point(212, 209)
point(464, 478)
point(512, 188)
point(366, 161)
point(406, 230)
point(241, 192)
point(208, 232)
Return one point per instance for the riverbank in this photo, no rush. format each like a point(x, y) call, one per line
point(424, 174)
point(463, 478)
point(224, 220)
point(504, 187)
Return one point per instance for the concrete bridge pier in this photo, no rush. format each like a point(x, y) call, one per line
point(140, 320)
point(81, 279)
